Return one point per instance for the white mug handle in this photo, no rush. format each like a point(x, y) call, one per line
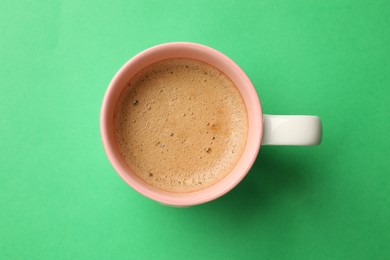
point(291, 130)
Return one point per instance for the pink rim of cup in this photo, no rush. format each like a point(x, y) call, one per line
point(225, 65)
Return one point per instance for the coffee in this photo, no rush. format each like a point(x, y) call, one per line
point(181, 125)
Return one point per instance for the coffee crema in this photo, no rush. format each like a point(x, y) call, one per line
point(181, 125)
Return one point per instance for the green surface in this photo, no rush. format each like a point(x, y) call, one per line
point(61, 199)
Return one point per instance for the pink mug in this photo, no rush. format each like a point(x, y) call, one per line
point(262, 129)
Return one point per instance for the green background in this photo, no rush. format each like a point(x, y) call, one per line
point(61, 199)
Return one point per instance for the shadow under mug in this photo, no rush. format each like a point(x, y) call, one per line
point(262, 129)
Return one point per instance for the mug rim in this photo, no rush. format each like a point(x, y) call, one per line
point(254, 113)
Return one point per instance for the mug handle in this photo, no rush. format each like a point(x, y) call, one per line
point(291, 130)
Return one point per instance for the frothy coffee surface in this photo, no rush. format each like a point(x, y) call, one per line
point(181, 125)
